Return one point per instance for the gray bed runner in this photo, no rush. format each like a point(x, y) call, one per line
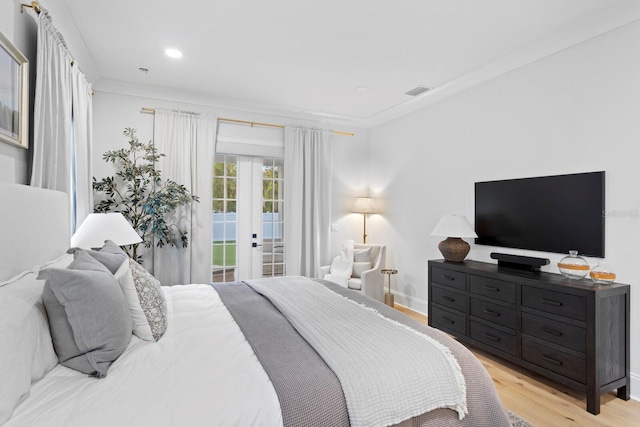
point(308, 390)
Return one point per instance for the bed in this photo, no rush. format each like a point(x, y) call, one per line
point(231, 355)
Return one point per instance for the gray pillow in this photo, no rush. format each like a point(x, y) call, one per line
point(88, 315)
point(362, 255)
point(110, 255)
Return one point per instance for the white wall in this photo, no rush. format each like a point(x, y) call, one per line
point(572, 112)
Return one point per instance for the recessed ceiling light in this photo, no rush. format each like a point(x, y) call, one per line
point(173, 53)
point(362, 89)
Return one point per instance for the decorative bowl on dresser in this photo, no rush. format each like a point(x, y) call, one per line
point(572, 331)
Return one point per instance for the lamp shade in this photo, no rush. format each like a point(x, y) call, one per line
point(364, 205)
point(99, 227)
point(454, 226)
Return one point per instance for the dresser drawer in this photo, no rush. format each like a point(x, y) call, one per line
point(493, 288)
point(554, 302)
point(445, 320)
point(557, 332)
point(495, 313)
point(493, 337)
point(446, 297)
point(453, 279)
point(553, 360)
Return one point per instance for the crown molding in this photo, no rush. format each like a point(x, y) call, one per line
point(602, 23)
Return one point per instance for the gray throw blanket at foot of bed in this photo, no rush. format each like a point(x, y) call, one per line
point(309, 392)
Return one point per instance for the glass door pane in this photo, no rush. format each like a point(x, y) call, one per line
point(224, 219)
point(273, 217)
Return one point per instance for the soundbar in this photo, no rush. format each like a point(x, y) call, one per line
point(519, 262)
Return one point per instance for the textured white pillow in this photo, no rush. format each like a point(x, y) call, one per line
point(146, 300)
point(26, 349)
point(360, 267)
point(362, 255)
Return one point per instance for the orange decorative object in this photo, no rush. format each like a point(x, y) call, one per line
point(601, 273)
point(573, 266)
point(598, 275)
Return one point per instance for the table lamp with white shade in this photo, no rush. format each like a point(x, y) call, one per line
point(454, 227)
point(99, 227)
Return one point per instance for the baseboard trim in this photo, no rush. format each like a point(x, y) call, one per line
point(412, 303)
point(635, 387)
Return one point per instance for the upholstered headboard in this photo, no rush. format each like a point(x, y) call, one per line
point(34, 227)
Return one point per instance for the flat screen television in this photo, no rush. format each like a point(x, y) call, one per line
point(550, 213)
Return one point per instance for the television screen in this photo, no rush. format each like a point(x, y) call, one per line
point(550, 214)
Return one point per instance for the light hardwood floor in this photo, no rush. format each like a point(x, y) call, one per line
point(546, 403)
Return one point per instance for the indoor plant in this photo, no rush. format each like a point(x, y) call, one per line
point(139, 193)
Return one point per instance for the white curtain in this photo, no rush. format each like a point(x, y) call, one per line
point(307, 199)
point(82, 108)
point(188, 141)
point(62, 123)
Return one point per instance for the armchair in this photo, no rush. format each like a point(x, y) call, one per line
point(371, 281)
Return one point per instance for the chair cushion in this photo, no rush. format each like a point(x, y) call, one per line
point(373, 255)
point(355, 284)
point(360, 267)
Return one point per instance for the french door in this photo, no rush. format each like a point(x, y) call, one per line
point(248, 222)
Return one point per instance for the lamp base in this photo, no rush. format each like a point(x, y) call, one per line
point(454, 249)
point(389, 299)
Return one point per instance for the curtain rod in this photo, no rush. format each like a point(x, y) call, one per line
point(34, 5)
point(221, 119)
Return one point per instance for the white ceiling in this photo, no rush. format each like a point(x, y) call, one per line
point(294, 57)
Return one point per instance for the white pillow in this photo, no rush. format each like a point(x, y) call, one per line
point(360, 267)
point(26, 349)
point(61, 262)
point(146, 300)
point(362, 255)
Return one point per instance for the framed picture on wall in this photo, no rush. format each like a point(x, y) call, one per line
point(14, 95)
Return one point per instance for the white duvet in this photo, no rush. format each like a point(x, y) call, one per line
point(202, 372)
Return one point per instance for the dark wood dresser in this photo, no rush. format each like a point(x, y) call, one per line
point(572, 331)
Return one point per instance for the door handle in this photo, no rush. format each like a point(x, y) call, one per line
point(255, 245)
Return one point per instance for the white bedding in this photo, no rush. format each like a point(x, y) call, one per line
point(202, 336)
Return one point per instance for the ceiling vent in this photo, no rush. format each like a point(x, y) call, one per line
point(417, 91)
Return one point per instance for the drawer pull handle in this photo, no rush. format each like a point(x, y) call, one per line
point(448, 320)
point(446, 298)
point(491, 312)
point(448, 277)
point(551, 302)
point(552, 331)
point(491, 288)
point(552, 360)
point(492, 337)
